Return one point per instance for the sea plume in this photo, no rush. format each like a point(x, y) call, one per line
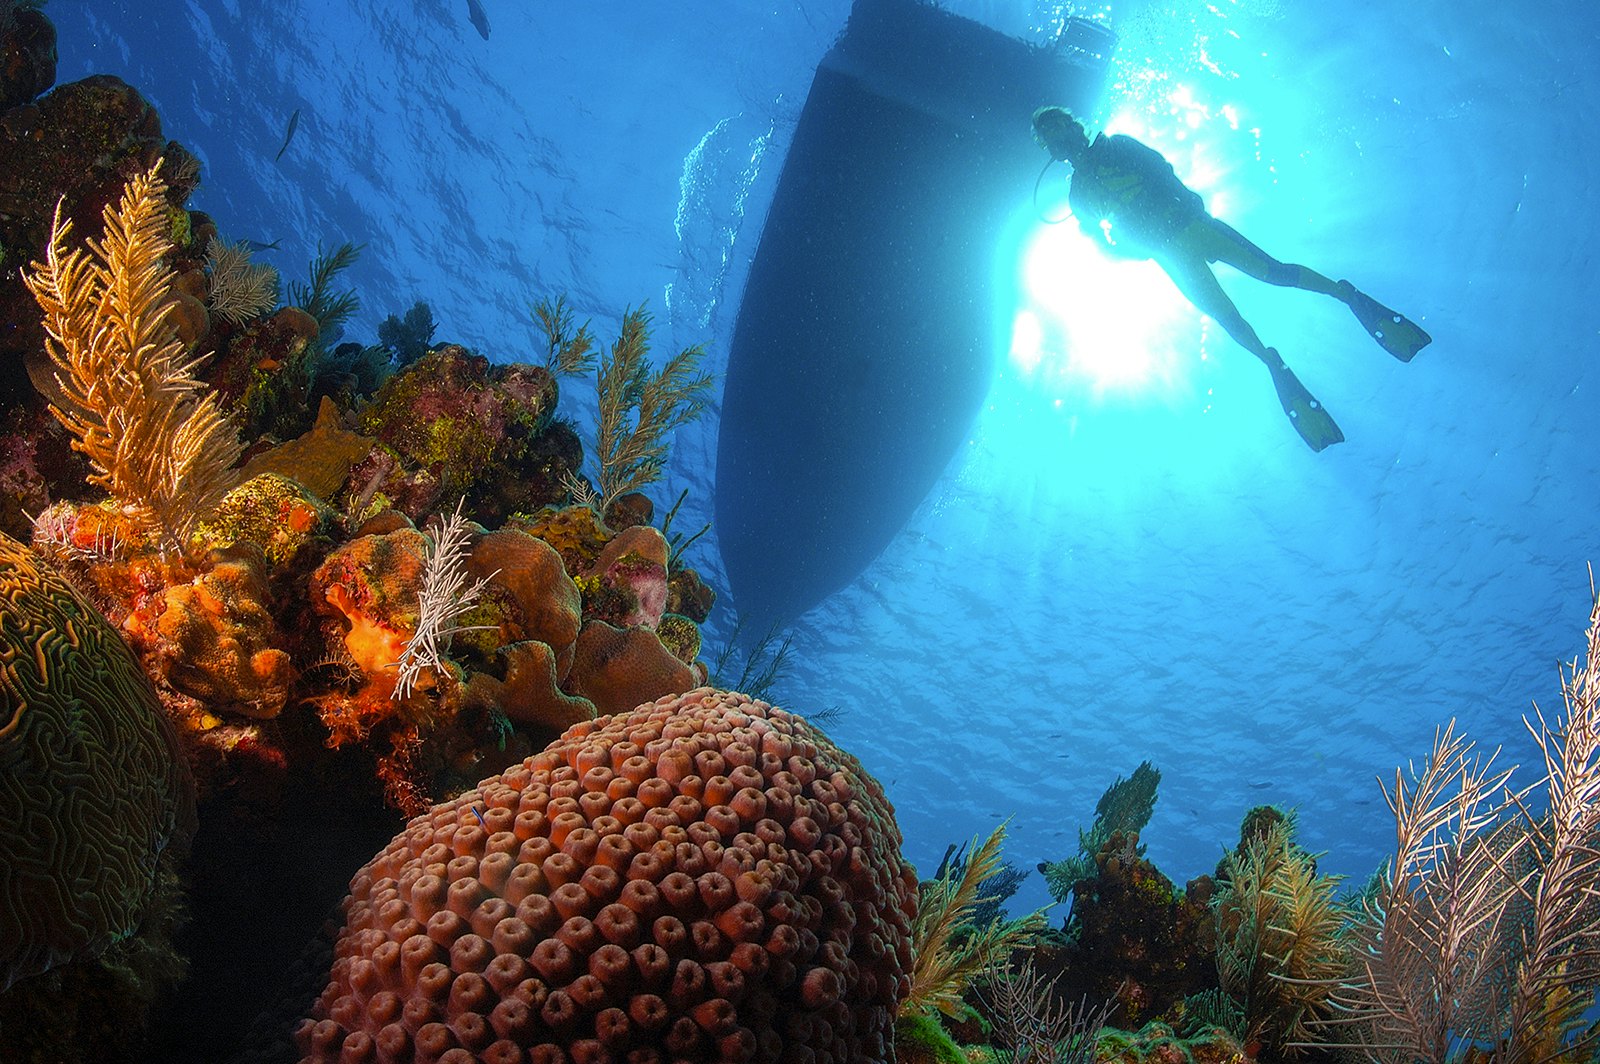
point(237, 289)
point(639, 410)
point(1032, 1022)
point(1484, 934)
point(1278, 944)
point(1553, 983)
point(950, 951)
point(159, 442)
point(447, 592)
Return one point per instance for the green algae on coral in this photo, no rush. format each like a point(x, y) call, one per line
point(275, 513)
point(476, 430)
point(681, 636)
point(920, 1039)
point(179, 230)
point(1158, 1043)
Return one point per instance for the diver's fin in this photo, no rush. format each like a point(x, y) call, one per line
point(1308, 417)
point(1396, 333)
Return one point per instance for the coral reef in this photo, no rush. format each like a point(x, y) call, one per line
point(220, 644)
point(27, 53)
point(1157, 1043)
point(277, 515)
point(627, 585)
point(469, 429)
point(446, 593)
point(619, 668)
point(261, 372)
point(919, 1039)
point(689, 596)
point(100, 548)
point(529, 596)
point(409, 338)
point(516, 644)
point(706, 878)
point(370, 586)
point(92, 785)
point(1125, 808)
point(527, 649)
point(320, 459)
point(525, 689)
point(263, 568)
point(37, 467)
point(681, 636)
point(1133, 938)
point(576, 533)
point(101, 1008)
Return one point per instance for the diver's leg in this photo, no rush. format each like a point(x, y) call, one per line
point(1220, 242)
point(1228, 245)
point(1199, 285)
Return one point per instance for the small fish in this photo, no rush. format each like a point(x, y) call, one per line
point(480, 21)
point(256, 245)
point(479, 815)
point(288, 134)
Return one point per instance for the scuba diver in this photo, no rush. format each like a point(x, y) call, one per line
point(1130, 202)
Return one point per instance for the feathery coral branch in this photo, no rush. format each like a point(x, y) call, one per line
point(446, 594)
point(640, 410)
point(1430, 945)
point(566, 350)
point(238, 289)
point(158, 440)
point(1560, 965)
point(949, 951)
point(317, 298)
point(1278, 946)
point(1486, 931)
point(1032, 1023)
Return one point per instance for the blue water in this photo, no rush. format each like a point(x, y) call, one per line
point(1110, 570)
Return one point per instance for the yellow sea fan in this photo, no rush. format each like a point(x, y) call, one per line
point(157, 439)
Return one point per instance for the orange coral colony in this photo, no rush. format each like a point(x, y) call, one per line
point(704, 878)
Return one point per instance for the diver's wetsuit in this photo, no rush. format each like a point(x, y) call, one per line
point(1128, 199)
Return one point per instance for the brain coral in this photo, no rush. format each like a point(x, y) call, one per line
point(92, 786)
point(704, 878)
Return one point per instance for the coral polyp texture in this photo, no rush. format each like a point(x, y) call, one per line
point(704, 878)
point(92, 788)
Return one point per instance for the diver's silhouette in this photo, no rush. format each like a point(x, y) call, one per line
point(1128, 200)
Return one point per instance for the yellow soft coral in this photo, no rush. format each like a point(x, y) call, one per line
point(159, 442)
